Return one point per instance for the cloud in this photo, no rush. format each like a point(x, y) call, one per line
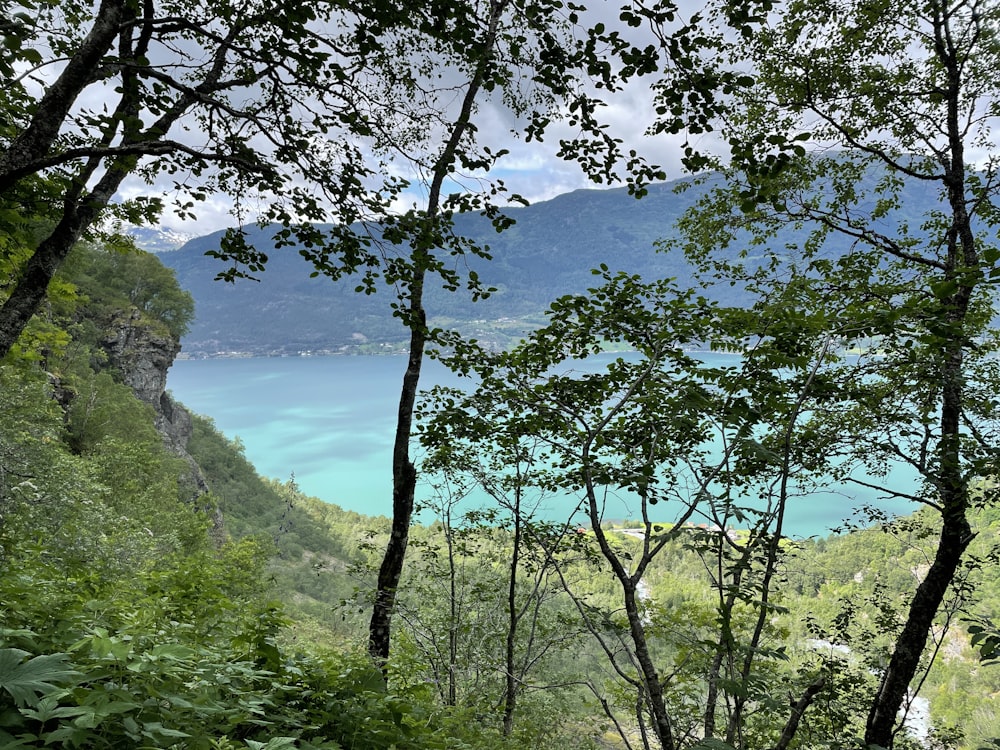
point(532, 170)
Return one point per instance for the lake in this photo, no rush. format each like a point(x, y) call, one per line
point(330, 420)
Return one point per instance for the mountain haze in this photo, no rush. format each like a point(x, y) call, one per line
point(548, 252)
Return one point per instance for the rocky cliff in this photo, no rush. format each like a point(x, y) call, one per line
point(142, 354)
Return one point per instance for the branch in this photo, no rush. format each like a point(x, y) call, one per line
point(875, 239)
point(145, 148)
point(798, 709)
point(895, 493)
point(54, 106)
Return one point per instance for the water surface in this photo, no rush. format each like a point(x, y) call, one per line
point(330, 421)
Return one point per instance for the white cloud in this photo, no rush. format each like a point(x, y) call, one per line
point(532, 170)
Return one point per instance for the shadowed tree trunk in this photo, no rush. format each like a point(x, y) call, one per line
point(404, 474)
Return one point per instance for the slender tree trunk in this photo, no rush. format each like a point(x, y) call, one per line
point(950, 481)
point(650, 676)
point(513, 617)
point(453, 612)
point(712, 694)
point(955, 536)
point(798, 711)
point(404, 473)
point(404, 482)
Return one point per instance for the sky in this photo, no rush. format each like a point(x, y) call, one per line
point(531, 170)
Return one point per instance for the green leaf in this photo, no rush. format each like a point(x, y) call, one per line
point(32, 56)
point(155, 729)
point(171, 652)
point(25, 681)
point(944, 288)
point(275, 743)
point(9, 742)
point(713, 743)
point(48, 708)
point(68, 735)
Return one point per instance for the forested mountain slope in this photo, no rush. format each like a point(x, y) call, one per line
point(144, 557)
point(549, 251)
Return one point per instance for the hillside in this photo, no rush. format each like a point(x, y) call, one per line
point(548, 252)
point(159, 593)
point(143, 558)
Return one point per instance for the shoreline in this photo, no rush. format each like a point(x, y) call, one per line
point(386, 352)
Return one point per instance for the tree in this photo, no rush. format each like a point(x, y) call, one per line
point(259, 100)
point(423, 236)
point(116, 280)
point(472, 455)
point(518, 54)
point(890, 94)
point(305, 110)
point(667, 438)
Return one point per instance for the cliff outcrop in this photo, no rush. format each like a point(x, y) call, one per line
point(142, 353)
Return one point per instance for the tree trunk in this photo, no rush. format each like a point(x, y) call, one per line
point(404, 482)
point(956, 534)
point(78, 214)
point(951, 483)
point(25, 152)
point(650, 677)
point(513, 618)
point(22, 158)
point(955, 537)
point(404, 474)
point(33, 284)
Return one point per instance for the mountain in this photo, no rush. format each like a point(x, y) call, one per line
point(156, 240)
point(548, 252)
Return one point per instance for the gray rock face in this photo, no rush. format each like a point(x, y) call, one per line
point(143, 356)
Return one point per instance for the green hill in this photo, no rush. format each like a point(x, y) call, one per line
point(158, 593)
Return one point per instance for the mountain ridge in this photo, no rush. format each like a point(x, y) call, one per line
point(549, 251)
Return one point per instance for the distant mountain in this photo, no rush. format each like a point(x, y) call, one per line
point(549, 251)
point(156, 240)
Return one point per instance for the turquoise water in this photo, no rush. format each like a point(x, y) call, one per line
point(330, 420)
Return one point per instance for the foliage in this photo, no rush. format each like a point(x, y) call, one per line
point(314, 543)
point(111, 280)
point(884, 94)
point(129, 624)
point(642, 435)
point(126, 622)
point(186, 653)
point(148, 607)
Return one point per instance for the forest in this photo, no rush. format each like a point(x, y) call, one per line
point(157, 593)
